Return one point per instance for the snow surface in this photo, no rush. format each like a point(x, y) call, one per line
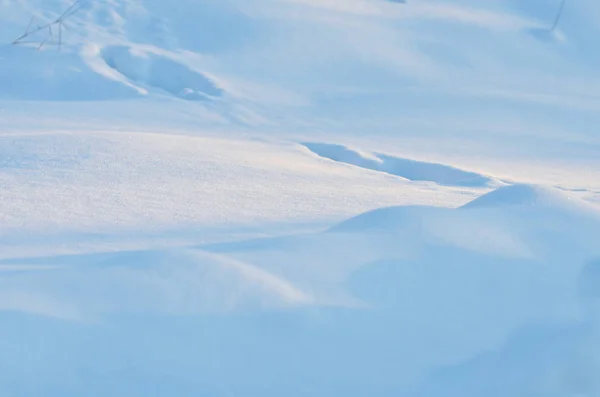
point(299, 198)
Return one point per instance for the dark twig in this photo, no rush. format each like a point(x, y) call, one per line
point(558, 15)
point(59, 22)
point(30, 23)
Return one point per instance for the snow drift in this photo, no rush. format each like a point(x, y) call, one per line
point(163, 232)
point(377, 284)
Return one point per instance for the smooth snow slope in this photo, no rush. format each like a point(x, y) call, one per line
point(299, 198)
point(103, 181)
point(496, 93)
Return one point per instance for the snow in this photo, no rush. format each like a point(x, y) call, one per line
point(406, 168)
point(300, 198)
point(359, 299)
point(532, 196)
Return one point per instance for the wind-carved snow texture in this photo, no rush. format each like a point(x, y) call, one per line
point(405, 168)
point(177, 281)
point(159, 72)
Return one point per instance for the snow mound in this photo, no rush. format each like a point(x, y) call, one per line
point(531, 201)
point(518, 221)
point(406, 168)
point(387, 218)
point(525, 195)
point(178, 281)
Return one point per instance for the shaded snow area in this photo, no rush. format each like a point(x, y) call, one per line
point(303, 198)
point(498, 296)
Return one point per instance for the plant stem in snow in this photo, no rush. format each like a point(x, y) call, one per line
point(558, 15)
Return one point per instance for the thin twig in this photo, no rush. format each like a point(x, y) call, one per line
point(71, 10)
point(74, 11)
point(558, 15)
point(42, 43)
point(30, 23)
point(29, 33)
